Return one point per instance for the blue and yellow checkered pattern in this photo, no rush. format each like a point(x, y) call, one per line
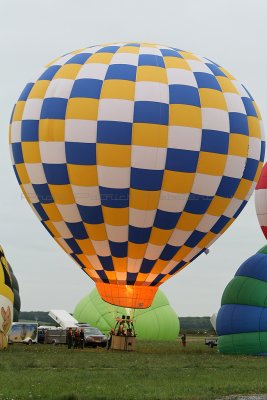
point(136, 157)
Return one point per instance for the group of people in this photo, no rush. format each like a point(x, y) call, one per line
point(75, 338)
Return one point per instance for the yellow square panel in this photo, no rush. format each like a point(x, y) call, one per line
point(83, 175)
point(128, 49)
point(52, 212)
point(100, 58)
point(111, 275)
point(254, 127)
point(81, 108)
point(218, 206)
point(188, 221)
point(178, 182)
point(185, 115)
point(159, 266)
point(211, 163)
point(152, 135)
point(86, 246)
point(243, 189)
point(144, 199)
point(238, 145)
point(175, 62)
point(113, 155)
point(68, 71)
point(62, 194)
point(31, 152)
point(39, 89)
point(160, 236)
point(18, 111)
point(141, 278)
point(116, 216)
point(206, 240)
point(52, 229)
point(188, 56)
point(96, 231)
point(22, 173)
point(120, 264)
point(226, 85)
point(85, 261)
point(257, 175)
point(211, 98)
point(136, 250)
point(118, 89)
point(51, 130)
point(181, 253)
point(151, 74)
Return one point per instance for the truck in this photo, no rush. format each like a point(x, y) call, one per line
point(23, 332)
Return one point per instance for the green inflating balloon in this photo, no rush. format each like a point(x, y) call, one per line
point(157, 322)
point(242, 320)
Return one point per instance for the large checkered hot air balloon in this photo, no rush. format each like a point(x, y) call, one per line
point(135, 158)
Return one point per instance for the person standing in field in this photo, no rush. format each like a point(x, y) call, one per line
point(76, 338)
point(82, 338)
point(183, 339)
point(70, 338)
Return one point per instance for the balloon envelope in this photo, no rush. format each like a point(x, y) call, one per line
point(242, 319)
point(6, 300)
point(261, 200)
point(135, 157)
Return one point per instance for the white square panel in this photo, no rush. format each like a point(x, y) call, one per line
point(207, 222)
point(59, 88)
point(82, 131)
point(192, 254)
point(149, 50)
point(234, 103)
point(125, 58)
point(134, 265)
point(32, 109)
point(182, 137)
point(15, 132)
point(93, 71)
point(117, 234)
point(235, 166)
point(65, 246)
point(95, 262)
point(141, 218)
point(69, 212)
point(254, 148)
point(215, 119)
point(153, 251)
point(181, 77)
point(114, 177)
point(232, 207)
point(115, 110)
point(261, 203)
point(152, 91)
point(53, 152)
point(169, 267)
point(240, 88)
point(63, 230)
point(146, 157)
point(172, 202)
point(206, 185)
point(30, 192)
point(179, 237)
point(101, 248)
point(36, 173)
point(86, 195)
point(198, 66)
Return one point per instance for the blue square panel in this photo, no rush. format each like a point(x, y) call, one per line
point(26, 91)
point(54, 108)
point(183, 94)
point(139, 235)
point(29, 130)
point(182, 160)
point(106, 262)
point(197, 204)
point(114, 198)
point(79, 58)
point(215, 141)
point(227, 187)
point(166, 220)
point(17, 153)
point(119, 250)
point(77, 230)
point(43, 193)
point(49, 73)
point(86, 88)
point(151, 60)
point(121, 71)
point(147, 265)
point(208, 81)
point(56, 174)
point(238, 123)
point(151, 112)
point(81, 153)
point(146, 179)
point(114, 132)
point(91, 214)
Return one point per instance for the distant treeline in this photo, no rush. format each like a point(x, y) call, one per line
point(199, 325)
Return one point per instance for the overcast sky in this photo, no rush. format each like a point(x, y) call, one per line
point(34, 32)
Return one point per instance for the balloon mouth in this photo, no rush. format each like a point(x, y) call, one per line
point(129, 296)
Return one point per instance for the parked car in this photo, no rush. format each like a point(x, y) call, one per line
point(94, 337)
point(23, 332)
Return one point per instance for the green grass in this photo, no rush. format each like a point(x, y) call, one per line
point(155, 371)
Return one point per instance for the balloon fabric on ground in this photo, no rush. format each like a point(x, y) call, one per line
point(242, 320)
point(6, 300)
point(158, 322)
point(135, 157)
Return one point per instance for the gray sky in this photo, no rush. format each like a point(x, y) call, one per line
point(32, 33)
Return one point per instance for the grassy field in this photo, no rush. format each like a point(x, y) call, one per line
point(155, 371)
